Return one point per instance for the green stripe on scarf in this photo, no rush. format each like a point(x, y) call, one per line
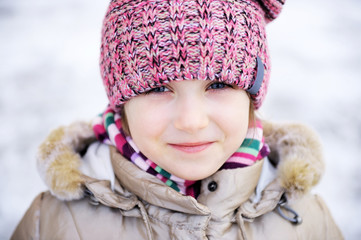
point(251, 151)
point(251, 143)
point(162, 172)
point(250, 146)
point(109, 119)
point(171, 184)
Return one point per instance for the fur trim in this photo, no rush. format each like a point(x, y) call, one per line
point(294, 147)
point(298, 152)
point(58, 160)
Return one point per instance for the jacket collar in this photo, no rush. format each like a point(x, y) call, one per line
point(155, 192)
point(151, 189)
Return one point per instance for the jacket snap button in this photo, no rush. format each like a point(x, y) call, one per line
point(212, 186)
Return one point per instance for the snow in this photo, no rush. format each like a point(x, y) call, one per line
point(49, 76)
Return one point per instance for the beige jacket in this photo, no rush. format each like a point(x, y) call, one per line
point(136, 205)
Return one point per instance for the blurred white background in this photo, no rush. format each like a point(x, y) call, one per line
point(49, 76)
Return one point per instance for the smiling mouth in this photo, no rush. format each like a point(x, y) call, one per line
point(191, 147)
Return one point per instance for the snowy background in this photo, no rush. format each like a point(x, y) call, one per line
point(49, 77)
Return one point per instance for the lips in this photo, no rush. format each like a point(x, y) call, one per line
point(191, 147)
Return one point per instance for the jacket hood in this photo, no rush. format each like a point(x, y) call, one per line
point(295, 150)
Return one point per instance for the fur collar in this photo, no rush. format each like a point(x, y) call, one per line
point(295, 149)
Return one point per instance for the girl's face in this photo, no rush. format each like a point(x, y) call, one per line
point(189, 128)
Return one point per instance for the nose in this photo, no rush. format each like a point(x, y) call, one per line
point(191, 114)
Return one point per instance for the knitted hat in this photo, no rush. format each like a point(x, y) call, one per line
point(147, 43)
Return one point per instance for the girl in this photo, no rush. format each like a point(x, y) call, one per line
point(179, 152)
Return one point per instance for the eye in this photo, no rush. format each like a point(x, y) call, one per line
point(160, 89)
point(218, 85)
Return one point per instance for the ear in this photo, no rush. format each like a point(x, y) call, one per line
point(271, 8)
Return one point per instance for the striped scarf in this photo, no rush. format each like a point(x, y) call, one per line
point(108, 129)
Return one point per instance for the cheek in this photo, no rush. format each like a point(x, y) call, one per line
point(144, 121)
point(233, 117)
point(234, 109)
point(236, 125)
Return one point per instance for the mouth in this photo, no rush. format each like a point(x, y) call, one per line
point(191, 147)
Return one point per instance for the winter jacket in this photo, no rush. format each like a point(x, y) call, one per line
point(95, 193)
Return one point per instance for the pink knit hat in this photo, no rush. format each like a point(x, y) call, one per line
point(147, 43)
